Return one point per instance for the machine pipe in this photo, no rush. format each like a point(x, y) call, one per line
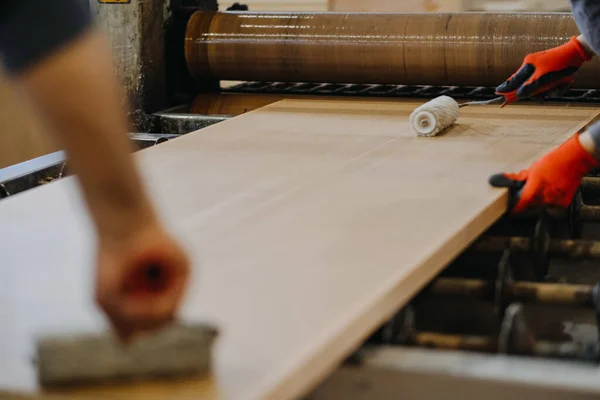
point(572, 249)
point(591, 183)
point(461, 49)
point(489, 344)
point(526, 292)
point(440, 341)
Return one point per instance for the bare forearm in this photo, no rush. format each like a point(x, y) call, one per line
point(76, 91)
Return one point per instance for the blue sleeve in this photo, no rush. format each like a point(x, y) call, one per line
point(587, 17)
point(594, 131)
point(31, 30)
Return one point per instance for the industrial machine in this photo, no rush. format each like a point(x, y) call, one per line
point(518, 314)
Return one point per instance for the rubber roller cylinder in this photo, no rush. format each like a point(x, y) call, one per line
point(462, 49)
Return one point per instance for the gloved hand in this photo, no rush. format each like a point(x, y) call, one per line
point(552, 181)
point(546, 70)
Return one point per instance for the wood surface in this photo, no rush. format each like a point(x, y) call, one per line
point(235, 104)
point(309, 224)
point(241, 103)
point(232, 103)
point(460, 49)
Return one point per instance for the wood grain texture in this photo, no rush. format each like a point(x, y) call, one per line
point(453, 49)
point(309, 224)
point(231, 103)
point(241, 103)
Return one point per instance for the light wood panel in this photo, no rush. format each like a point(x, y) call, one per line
point(309, 223)
point(239, 103)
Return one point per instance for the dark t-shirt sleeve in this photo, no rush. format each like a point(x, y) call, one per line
point(31, 30)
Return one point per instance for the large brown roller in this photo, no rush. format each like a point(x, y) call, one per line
point(464, 49)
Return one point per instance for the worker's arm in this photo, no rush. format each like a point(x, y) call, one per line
point(70, 80)
point(553, 180)
point(75, 91)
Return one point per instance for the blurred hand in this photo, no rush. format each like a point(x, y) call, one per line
point(140, 280)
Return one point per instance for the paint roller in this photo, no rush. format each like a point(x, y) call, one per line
point(437, 115)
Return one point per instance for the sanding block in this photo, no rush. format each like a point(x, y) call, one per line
point(176, 351)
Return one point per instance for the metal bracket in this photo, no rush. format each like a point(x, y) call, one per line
point(539, 248)
point(504, 276)
point(3, 192)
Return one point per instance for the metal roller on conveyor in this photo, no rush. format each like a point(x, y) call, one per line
point(470, 49)
point(284, 55)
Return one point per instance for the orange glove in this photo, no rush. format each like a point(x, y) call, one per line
point(546, 70)
point(551, 181)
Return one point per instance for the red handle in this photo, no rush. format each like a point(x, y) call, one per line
point(509, 98)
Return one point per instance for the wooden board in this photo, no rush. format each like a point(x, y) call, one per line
point(309, 223)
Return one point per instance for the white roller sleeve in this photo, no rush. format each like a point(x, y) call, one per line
point(433, 117)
